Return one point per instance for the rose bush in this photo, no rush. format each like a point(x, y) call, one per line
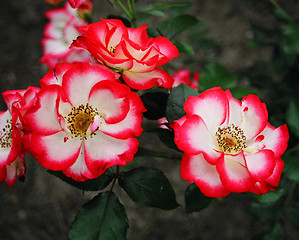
point(228, 144)
point(59, 34)
point(84, 121)
point(129, 51)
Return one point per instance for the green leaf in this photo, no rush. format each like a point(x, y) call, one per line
point(293, 215)
point(282, 15)
point(155, 104)
point(240, 92)
point(271, 232)
point(167, 137)
point(156, 9)
point(176, 100)
point(215, 75)
point(293, 117)
point(291, 39)
point(148, 187)
point(178, 24)
point(102, 218)
point(89, 185)
point(195, 200)
point(184, 47)
point(291, 168)
point(269, 197)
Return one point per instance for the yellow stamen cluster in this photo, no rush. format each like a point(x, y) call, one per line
point(231, 139)
point(79, 119)
point(6, 135)
point(112, 50)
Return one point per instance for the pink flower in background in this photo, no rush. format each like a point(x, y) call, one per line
point(184, 76)
point(129, 51)
point(228, 144)
point(11, 131)
point(78, 3)
point(59, 34)
point(54, 2)
point(84, 122)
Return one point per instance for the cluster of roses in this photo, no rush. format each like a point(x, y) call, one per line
point(85, 118)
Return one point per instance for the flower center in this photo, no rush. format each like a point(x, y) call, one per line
point(6, 135)
point(79, 120)
point(112, 50)
point(231, 139)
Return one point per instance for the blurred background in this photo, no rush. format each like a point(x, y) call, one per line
point(43, 206)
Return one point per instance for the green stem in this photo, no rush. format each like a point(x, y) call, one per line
point(294, 149)
point(124, 9)
point(131, 5)
point(275, 4)
point(146, 152)
point(115, 177)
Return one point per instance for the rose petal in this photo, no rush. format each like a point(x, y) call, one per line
point(131, 124)
point(102, 151)
point(110, 99)
point(79, 171)
point(211, 105)
point(234, 175)
point(275, 139)
point(53, 152)
point(255, 116)
point(195, 168)
point(79, 80)
point(146, 80)
point(42, 118)
point(195, 138)
point(261, 164)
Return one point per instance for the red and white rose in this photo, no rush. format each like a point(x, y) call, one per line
point(59, 34)
point(228, 144)
point(184, 76)
point(84, 122)
point(129, 51)
point(11, 131)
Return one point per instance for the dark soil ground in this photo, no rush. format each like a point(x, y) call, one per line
point(43, 206)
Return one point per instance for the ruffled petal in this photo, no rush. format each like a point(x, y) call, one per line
point(131, 124)
point(211, 105)
point(55, 152)
point(255, 116)
point(79, 171)
point(233, 174)
point(235, 110)
point(261, 164)
point(42, 117)
point(14, 171)
point(102, 151)
point(194, 138)
point(55, 77)
point(110, 99)
point(79, 80)
point(195, 168)
point(275, 139)
point(146, 80)
point(167, 50)
point(274, 179)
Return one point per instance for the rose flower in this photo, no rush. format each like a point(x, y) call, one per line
point(228, 144)
point(59, 34)
point(130, 52)
point(11, 131)
point(84, 121)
